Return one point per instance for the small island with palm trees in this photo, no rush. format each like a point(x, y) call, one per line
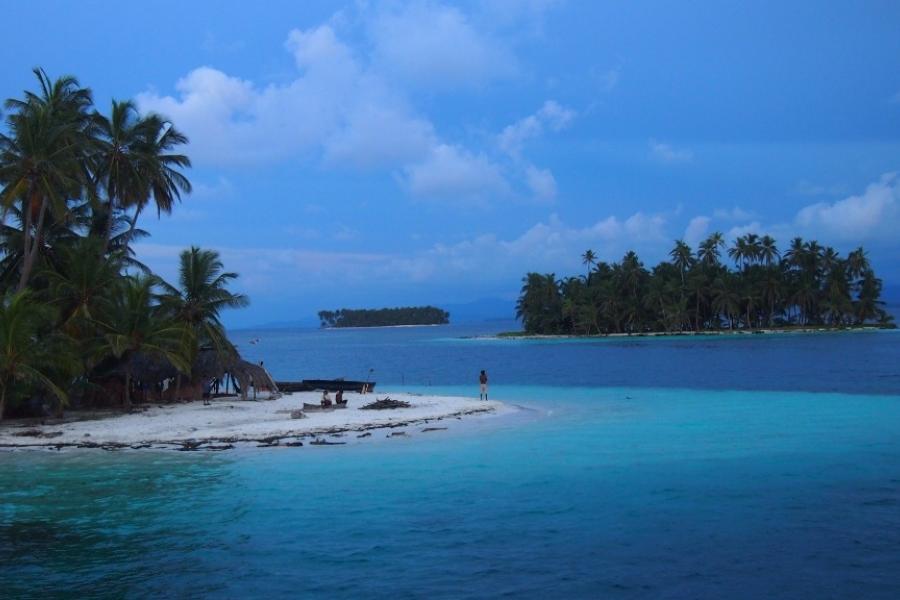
point(85, 327)
point(809, 287)
point(384, 317)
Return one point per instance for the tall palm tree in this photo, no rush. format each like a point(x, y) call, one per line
point(682, 257)
point(768, 251)
point(710, 249)
point(740, 252)
point(588, 258)
point(41, 159)
point(135, 162)
point(201, 296)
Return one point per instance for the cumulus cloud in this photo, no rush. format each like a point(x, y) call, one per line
point(549, 245)
point(550, 116)
point(437, 46)
point(871, 215)
point(350, 105)
point(541, 183)
point(453, 171)
point(696, 230)
point(668, 154)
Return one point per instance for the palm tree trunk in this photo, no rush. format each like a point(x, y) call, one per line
point(31, 253)
point(133, 225)
point(107, 235)
point(127, 403)
point(2, 401)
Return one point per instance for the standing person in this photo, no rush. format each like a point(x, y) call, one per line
point(483, 380)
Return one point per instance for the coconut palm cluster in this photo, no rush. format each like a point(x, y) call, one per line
point(807, 285)
point(80, 316)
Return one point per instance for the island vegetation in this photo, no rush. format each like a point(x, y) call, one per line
point(82, 321)
point(808, 285)
point(384, 317)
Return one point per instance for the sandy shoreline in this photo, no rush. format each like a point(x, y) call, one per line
point(651, 334)
point(228, 422)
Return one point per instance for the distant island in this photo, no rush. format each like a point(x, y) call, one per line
point(384, 317)
point(809, 287)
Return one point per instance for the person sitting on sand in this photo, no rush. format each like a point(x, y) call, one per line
point(326, 399)
point(339, 397)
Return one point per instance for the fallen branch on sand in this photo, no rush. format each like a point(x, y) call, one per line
point(386, 403)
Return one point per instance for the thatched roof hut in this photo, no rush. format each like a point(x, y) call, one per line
point(210, 364)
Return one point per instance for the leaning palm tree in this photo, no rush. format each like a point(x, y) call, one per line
point(135, 162)
point(41, 158)
point(201, 296)
point(27, 359)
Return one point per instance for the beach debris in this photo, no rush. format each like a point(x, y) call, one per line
point(219, 448)
point(366, 434)
point(321, 442)
point(386, 403)
point(398, 434)
point(434, 429)
point(38, 433)
point(293, 444)
point(298, 414)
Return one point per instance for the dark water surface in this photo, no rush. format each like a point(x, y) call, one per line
point(753, 467)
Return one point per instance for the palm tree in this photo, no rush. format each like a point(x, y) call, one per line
point(740, 253)
point(41, 158)
point(136, 326)
point(682, 257)
point(202, 294)
point(768, 251)
point(135, 163)
point(710, 249)
point(588, 258)
point(26, 357)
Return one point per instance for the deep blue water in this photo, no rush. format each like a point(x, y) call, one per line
point(751, 467)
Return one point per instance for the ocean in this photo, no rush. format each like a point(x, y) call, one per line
point(756, 466)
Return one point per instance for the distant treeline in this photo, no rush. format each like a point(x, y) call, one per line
point(808, 285)
point(383, 317)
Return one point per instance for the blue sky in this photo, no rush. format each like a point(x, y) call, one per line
point(390, 153)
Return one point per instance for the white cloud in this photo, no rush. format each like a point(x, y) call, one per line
point(451, 171)
point(668, 154)
point(734, 213)
point(871, 215)
point(551, 116)
point(550, 245)
point(541, 182)
point(437, 46)
point(350, 105)
point(696, 230)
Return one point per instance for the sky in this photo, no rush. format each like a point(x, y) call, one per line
point(365, 154)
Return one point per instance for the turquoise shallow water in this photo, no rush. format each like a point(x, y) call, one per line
point(597, 490)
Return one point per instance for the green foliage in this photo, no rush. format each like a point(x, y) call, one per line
point(809, 285)
point(384, 317)
point(33, 357)
point(74, 317)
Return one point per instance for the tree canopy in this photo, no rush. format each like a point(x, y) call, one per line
point(807, 285)
point(81, 320)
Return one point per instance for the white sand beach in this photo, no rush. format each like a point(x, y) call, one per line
point(226, 422)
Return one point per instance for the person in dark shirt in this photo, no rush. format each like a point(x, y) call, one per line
point(483, 380)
